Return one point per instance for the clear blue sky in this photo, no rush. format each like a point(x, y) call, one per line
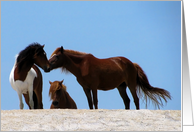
point(148, 33)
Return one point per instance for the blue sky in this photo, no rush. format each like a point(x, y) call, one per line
point(147, 33)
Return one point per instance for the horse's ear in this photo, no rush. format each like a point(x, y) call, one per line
point(50, 82)
point(43, 45)
point(62, 49)
point(61, 82)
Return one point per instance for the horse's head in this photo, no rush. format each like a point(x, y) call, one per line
point(56, 59)
point(40, 58)
point(56, 92)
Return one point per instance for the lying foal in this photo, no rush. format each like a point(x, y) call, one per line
point(59, 96)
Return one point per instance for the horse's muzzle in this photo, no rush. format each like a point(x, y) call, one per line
point(55, 103)
point(51, 67)
point(47, 69)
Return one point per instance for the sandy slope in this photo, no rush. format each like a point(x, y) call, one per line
point(106, 120)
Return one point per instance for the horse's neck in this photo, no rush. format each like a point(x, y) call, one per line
point(72, 63)
point(20, 74)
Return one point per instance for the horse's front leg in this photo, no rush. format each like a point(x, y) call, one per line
point(95, 98)
point(20, 98)
point(89, 97)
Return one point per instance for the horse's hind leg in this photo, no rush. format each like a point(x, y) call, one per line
point(122, 91)
point(38, 92)
point(132, 88)
point(39, 98)
point(35, 100)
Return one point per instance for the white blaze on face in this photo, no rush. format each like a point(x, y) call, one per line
point(52, 56)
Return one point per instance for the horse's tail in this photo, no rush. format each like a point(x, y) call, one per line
point(145, 89)
point(35, 100)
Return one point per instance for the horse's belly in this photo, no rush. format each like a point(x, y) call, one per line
point(110, 81)
point(109, 86)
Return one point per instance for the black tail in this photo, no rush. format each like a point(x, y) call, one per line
point(145, 89)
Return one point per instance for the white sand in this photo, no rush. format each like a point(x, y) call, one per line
point(90, 120)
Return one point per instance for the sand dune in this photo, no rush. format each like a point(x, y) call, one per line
point(90, 120)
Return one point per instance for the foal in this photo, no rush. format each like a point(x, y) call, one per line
point(60, 97)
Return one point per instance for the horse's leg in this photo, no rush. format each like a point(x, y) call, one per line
point(38, 92)
point(20, 98)
point(95, 98)
point(132, 88)
point(89, 97)
point(122, 91)
point(37, 85)
point(35, 100)
point(26, 97)
point(30, 92)
point(39, 98)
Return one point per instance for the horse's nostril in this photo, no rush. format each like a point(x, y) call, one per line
point(47, 69)
point(55, 103)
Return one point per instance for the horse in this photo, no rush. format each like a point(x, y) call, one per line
point(25, 76)
point(105, 74)
point(60, 97)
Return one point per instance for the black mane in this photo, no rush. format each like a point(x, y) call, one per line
point(27, 55)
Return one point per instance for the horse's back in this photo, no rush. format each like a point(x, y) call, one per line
point(112, 62)
point(71, 102)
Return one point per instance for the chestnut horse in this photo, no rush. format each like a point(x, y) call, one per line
point(104, 74)
point(60, 97)
point(26, 78)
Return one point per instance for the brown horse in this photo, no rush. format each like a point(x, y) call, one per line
point(60, 97)
point(105, 74)
point(26, 78)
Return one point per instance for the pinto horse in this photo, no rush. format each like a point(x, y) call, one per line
point(26, 78)
point(60, 97)
point(104, 74)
